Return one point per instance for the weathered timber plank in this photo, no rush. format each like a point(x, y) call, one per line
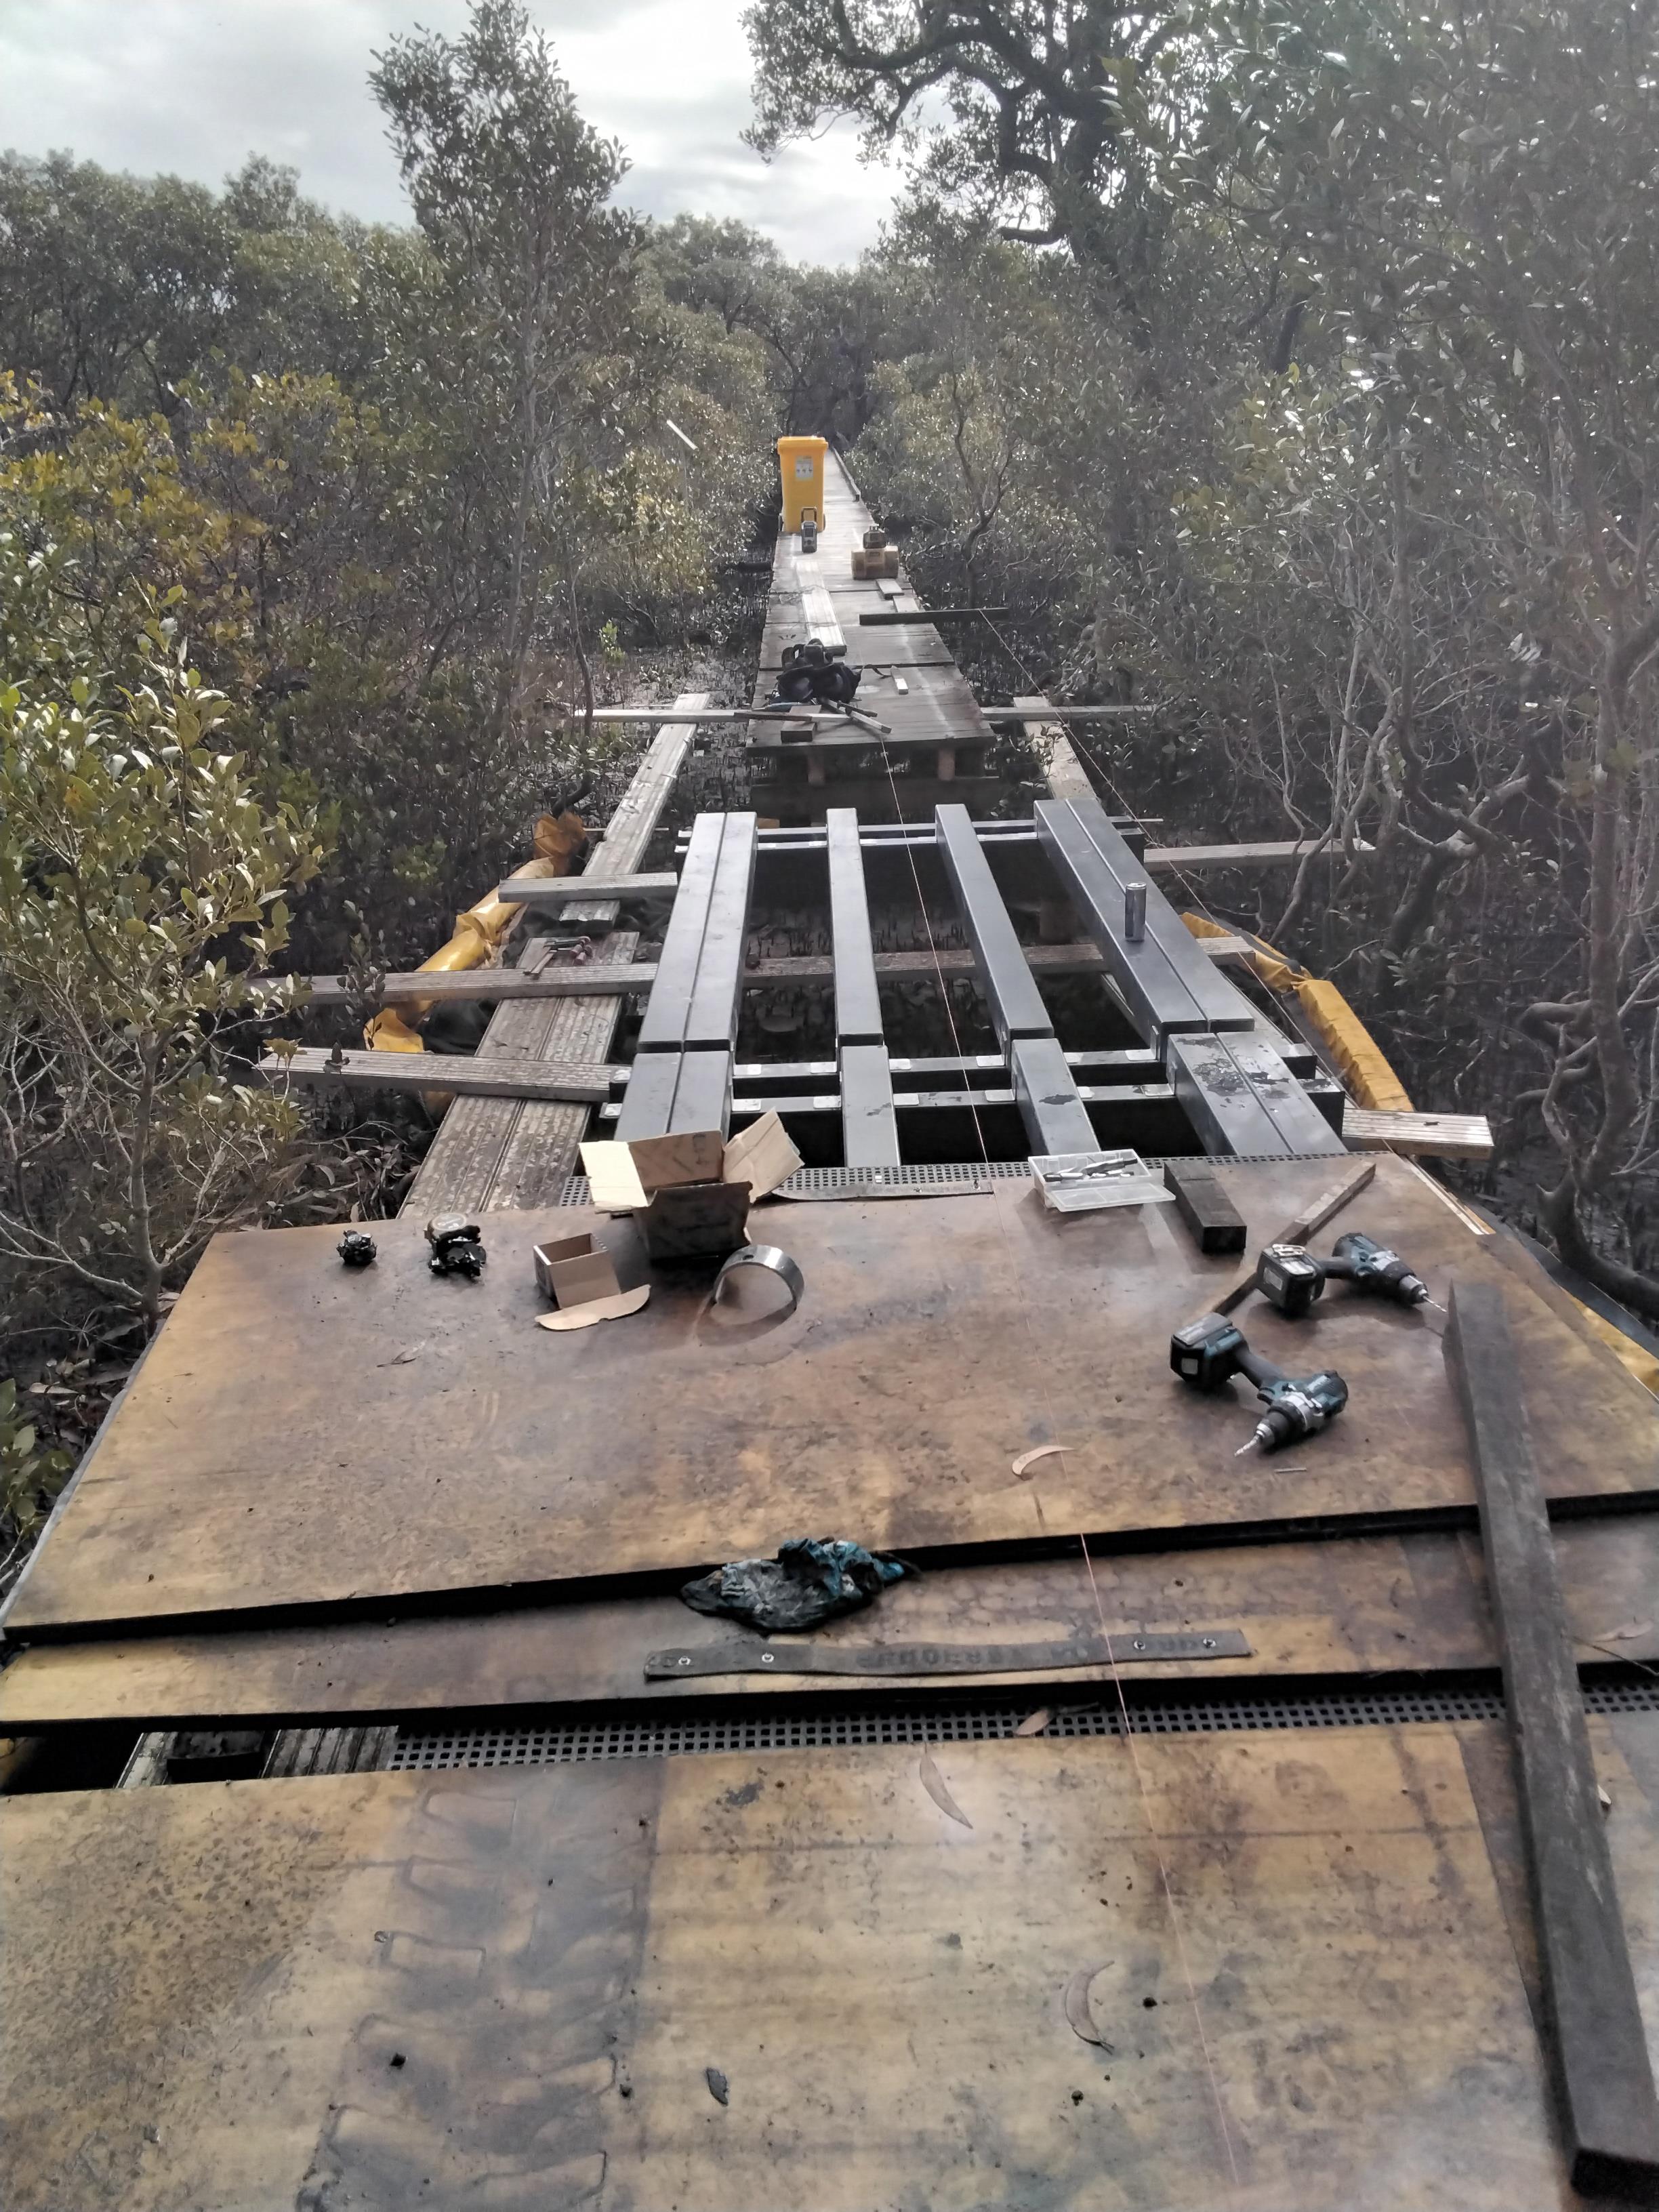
point(1282, 854)
point(497, 1075)
point(893, 617)
point(1597, 2046)
point(1440, 1136)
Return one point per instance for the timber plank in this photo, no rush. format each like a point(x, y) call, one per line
point(394, 1989)
point(494, 1075)
point(303, 1435)
point(1438, 1136)
point(1598, 2049)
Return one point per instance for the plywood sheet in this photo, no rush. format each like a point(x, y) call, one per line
point(512, 1987)
point(1363, 1605)
point(303, 1435)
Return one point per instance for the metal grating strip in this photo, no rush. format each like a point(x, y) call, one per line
point(435, 1749)
point(576, 1192)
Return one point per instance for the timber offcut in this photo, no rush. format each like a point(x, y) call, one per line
point(1227, 1771)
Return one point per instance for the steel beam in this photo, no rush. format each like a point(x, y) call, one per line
point(1016, 1004)
point(1168, 984)
point(1050, 1104)
point(669, 1093)
point(869, 1128)
point(663, 1028)
point(1241, 1097)
point(716, 1000)
point(857, 1001)
point(695, 999)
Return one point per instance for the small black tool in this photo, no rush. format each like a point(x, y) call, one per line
point(1293, 1279)
point(1208, 1353)
point(356, 1248)
point(457, 1246)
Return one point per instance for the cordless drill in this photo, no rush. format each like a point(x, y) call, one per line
point(1293, 1279)
point(1208, 1353)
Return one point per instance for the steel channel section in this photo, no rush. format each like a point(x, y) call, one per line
point(669, 1006)
point(1241, 1097)
point(717, 996)
point(1045, 1090)
point(1016, 1005)
point(1169, 986)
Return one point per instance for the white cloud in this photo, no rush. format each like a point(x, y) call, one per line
point(195, 86)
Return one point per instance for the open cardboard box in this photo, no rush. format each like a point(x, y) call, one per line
point(573, 1271)
point(692, 1191)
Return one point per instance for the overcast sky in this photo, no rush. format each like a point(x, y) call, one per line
point(194, 86)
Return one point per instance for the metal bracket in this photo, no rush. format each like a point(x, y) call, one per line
point(1131, 1649)
point(769, 1256)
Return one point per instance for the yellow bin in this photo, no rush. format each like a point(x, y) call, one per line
point(801, 463)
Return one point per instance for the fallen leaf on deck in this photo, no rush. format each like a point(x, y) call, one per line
point(1076, 2002)
point(1034, 1723)
point(1602, 1799)
point(1030, 1459)
point(719, 2088)
point(1628, 1631)
point(596, 1309)
point(934, 1783)
point(401, 1359)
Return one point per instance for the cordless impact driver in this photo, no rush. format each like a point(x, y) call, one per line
point(1293, 1279)
point(1208, 1353)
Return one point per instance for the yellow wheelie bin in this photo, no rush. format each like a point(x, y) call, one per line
point(801, 463)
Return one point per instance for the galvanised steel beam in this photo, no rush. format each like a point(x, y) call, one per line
point(1169, 985)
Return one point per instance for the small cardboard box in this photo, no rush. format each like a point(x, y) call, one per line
point(691, 1192)
point(574, 1271)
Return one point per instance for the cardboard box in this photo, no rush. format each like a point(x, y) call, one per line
point(574, 1271)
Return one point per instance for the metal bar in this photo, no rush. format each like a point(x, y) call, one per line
point(712, 1016)
point(869, 1126)
point(1169, 983)
point(669, 1006)
point(857, 1001)
point(1240, 1097)
point(1131, 1647)
point(749, 1105)
point(1050, 1104)
point(1016, 1004)
point(670, 1093)
point(1597, 2043)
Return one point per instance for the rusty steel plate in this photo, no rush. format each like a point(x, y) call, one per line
point(304, 1435)
point(1249, 1970)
